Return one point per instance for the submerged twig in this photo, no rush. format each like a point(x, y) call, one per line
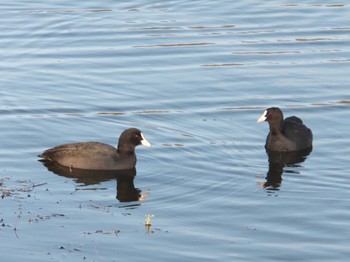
point(17, 220)
point(42, 184)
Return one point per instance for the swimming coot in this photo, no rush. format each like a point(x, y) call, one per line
point(99, 156)
point(285, 135)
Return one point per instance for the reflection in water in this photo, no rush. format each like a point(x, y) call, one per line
point(126, 191)
point(277, 162)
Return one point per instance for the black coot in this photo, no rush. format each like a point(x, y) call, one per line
point(99, 156)
point(285, 135)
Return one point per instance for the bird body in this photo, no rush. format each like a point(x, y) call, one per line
point(285, 135)
point(98, 156)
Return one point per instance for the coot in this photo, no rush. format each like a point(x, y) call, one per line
point(99, 156)
point(285, 135)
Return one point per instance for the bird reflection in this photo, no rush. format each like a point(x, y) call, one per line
point(126, 191)
point(277, 162)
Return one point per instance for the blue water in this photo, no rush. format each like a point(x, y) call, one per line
point(194, 77)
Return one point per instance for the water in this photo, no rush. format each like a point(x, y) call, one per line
point(194, 77)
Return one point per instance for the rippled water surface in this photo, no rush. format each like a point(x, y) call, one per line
point(194, 76)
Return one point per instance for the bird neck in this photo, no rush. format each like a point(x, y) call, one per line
point(126, 149)
point(276, 127)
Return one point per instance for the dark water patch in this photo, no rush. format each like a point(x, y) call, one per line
point(67, 11)
point(176, 45)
